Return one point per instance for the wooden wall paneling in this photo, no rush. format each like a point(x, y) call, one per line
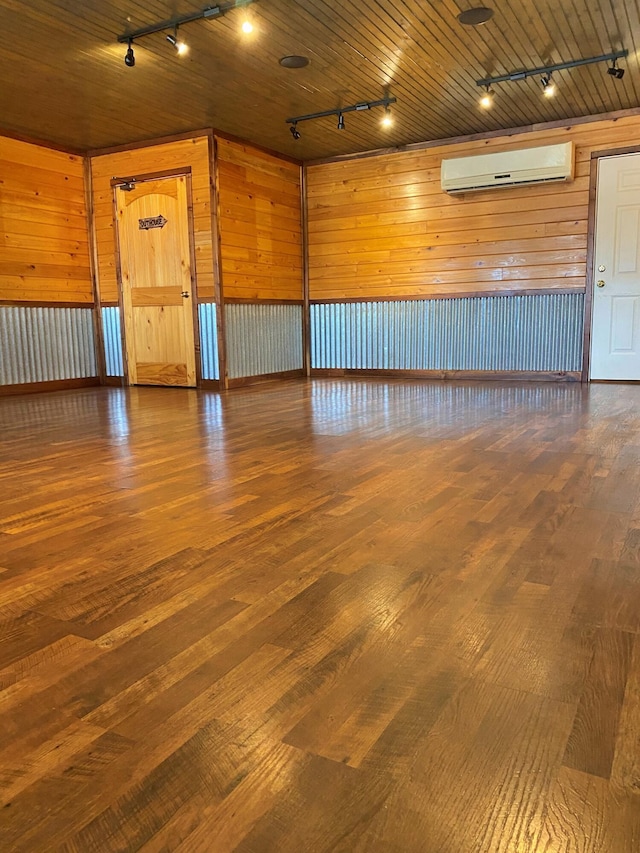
point(382, 225)
point(186, 152)
point(44, 242)
point(260, 223)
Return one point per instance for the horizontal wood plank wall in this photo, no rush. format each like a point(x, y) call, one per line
point(381, 227)
point(193, 152)
point(260, 224)
point(44, 246)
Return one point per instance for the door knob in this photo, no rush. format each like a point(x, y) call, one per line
point(185, 293)
point(600, 283)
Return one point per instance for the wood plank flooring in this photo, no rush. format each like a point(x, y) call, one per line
point(321, 616)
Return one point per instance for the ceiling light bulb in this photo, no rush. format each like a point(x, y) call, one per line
point(180, 46)
point(548, 87)
point(247, 27)
point(486, 101)
point(387, 118)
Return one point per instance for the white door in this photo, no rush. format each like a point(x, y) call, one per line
point(615, 329)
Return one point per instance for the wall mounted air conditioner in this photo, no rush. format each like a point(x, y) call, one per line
point(545, 164)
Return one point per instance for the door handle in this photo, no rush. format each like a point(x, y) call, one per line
point(185, 293)
point(600, 283)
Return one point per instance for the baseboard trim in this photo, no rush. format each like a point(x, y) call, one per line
point(241, 381)
point(493, 375)
point(114, 381)
point(209, 385)
point(54, 385)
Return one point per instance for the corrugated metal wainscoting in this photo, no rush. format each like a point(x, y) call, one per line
point(45, 344)
point(112, 335)
point(208, 340)
point(490, 333)
point(263, 339)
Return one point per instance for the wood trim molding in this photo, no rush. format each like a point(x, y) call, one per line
point(195, 319)
point(306, 314)
point(500, 375)
point(615, 381)
point(615, 152)
point(148, 143)
point(216, 245)
point(116, 259)
point(178, 172)
point(98, 334)
point(12, 303)
point(54, 385)
point(41, 143)
point(209, 385)
point(109, 304)
point(233, 300)
point(180, 137)
point(478, 137)
point(229, 137)
point(471, 294)
point(114, 381)
point(241, 381)
point(588, 300)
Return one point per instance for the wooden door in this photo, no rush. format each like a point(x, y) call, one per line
point(155, 267)
point(615, 330)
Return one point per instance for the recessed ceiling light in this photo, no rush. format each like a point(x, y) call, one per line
point(294, 61)
point(474, 17)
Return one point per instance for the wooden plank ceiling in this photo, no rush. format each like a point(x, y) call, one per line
point(64, 79)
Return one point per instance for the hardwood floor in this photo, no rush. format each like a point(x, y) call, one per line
point(321, 616)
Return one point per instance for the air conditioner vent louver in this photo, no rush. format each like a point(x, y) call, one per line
point(545, 164)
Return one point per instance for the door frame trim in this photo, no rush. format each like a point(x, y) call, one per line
point(182, 172)
point(591, 247)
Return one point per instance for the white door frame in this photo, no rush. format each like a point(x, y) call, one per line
point(591, 246)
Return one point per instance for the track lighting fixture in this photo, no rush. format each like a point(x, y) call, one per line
point(387, 118)
point(180, 46)
point(174, 23)
point(548, 86)
point(546, 71)
point(363, 105)
point(130, 57)
point(614, 71)
point(486, 100)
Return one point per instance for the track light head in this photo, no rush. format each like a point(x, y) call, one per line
point(548, 86)
point(486, 100)
point(180, 46)
point(387, 119)
point(616, 72)
point(130, 57)
point(294, 131)
point(340, 122)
